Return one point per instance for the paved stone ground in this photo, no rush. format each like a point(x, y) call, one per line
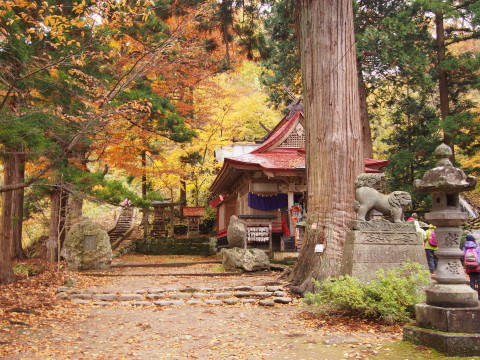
point(123, 314)
point(243, 294)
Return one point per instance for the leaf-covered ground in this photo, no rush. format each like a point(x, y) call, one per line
point(35, 324)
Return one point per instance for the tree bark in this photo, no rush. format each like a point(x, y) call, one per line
point(56, 233)
point(6, 271)
point(144, 194)
point(334, 149)
point(364, 117)
point(17, 206)
point(442, 76)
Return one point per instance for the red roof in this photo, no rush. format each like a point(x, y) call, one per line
point(278, 159)
point(269, 157)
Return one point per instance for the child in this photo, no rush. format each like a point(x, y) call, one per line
point(473, 273)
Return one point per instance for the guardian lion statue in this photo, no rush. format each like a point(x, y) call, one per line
point(393, 204)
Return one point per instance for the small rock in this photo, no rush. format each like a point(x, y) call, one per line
point(243, 294)
point(128, 297)
point(280, 294)
point(222, 295)
point(193, 302)
point(248, 301)
point(163, 303)
point(200, 295)
point(207, 289)
point(155, 296)
point(264, 302)
point(156, 291)
point(81, 302)
point(178, 302)
point(180, 296)
point(262, 294)
point(242, 288)
point(259, 288)
point(124, 303)
point(141, 303)
point(141, 291)
point(63, 289)
point(231, 301)
point(274, 288)
point(81, 296)
point(104, 297)
point(283, 300)
point(103, 303)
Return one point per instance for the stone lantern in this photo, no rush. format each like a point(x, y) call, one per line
point(449, 321)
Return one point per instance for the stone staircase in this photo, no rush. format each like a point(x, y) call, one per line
point(123, 225)
point(253, 295)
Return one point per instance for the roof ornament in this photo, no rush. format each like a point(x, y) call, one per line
point(295, 105)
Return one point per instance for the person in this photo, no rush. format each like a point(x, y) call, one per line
point(430, 248)
point(418, 228)
point(473, 274)
point(126, 202)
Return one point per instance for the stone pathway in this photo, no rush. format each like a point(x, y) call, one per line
point(254, 295)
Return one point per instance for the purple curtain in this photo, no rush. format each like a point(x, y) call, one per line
point(267, 202)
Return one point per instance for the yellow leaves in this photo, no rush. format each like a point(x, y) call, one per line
point(79, 8)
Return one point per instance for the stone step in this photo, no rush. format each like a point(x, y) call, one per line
point(254, 295)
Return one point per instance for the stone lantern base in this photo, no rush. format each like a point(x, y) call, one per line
point(451, 296)
point(452, 331)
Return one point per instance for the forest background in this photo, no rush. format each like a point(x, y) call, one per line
point(105, 99)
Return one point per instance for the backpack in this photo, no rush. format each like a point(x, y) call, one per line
point(432, 240)
point(470, 259)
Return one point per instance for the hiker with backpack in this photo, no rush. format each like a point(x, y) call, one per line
point(430, 244)
point(471, 254)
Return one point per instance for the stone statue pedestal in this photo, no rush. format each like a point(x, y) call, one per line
point(380, 244)
point(452, 331)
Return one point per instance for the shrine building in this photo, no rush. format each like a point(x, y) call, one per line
point(266, 185)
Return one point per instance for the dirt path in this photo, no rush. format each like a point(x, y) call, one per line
point(240, 331)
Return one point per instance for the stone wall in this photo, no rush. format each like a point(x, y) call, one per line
point(179, 246)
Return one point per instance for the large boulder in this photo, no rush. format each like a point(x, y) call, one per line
point(236, 232)
point(246, 259)
point(87, 246)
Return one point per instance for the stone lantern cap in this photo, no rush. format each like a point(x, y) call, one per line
point(444, 178)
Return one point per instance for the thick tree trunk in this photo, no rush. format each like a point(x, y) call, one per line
point(334, 149)
point(364, 118)
point(17, 206)
point(6, 272)
point(442, 75)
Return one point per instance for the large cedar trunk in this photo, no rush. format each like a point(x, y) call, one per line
point(17, 206)
point(334, 149)
point(6, 272)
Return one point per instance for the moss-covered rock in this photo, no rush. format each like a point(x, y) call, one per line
point(87, 246)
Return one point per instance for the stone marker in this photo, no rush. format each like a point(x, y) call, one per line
point(87, 246)
point(246, 259)
point(236, 232)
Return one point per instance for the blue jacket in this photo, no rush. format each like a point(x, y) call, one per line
point(470, 245)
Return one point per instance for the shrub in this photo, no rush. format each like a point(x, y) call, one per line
point(391, 296)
